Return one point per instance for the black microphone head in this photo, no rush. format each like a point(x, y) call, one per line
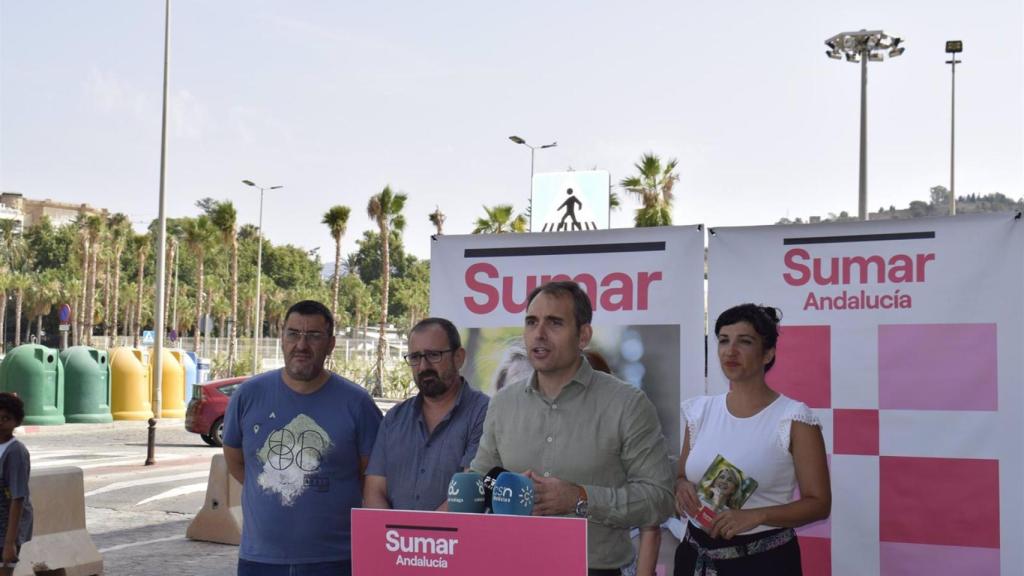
point(489, 479)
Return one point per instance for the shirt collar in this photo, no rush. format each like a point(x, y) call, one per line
point(583, 376)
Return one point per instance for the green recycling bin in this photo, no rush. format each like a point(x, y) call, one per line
point(35, 374)
point(86, 385)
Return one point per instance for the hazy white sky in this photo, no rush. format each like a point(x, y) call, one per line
point(336, 99)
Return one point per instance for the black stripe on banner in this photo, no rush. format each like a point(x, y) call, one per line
point(564, 250)
point(858, 238)
point(430, 528)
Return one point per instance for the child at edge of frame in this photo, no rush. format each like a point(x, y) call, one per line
point(15, 468)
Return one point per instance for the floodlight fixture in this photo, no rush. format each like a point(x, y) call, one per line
point(953, 47)
point(861, 47)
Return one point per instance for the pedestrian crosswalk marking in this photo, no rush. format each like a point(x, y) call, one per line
point(146, 481)
point(179, 491)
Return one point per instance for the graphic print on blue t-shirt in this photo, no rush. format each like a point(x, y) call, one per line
point(291, 458)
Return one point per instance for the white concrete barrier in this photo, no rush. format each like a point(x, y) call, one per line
point(60, 542)
point(220, 519)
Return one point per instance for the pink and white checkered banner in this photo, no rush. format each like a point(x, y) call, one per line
point(905, 337)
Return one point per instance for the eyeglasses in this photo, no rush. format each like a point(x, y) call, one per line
point(432, 356)
point(293, 336)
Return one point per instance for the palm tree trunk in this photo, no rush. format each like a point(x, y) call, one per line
point(337, 277)
point(167, 280)
point(106, 300)
point(19, 296)
point(3, 319)
point(39, 328)
point(174, 299)
point(233, 336)
point(199, 306)
point(117, 291)
point(382, 342)
point(138, 300)
point(80, 312)
point(91, 296)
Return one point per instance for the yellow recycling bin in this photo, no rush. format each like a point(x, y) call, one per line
point(172, 388)
point(130, 384)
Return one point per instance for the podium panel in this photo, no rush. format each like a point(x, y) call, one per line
point(399, 542)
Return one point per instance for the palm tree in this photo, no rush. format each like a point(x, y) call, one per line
point(224, 218)
point(198, 233)
point(5, 283)
point(19, 281)
point(653, 187)
point(140, 244)
point(119, 228)
point(42, 292)
point(9, 261)
point(337, 220)
point(437, 219)
point(385, 209)
point(499, 220)
point(95, 228)
point(78, 319)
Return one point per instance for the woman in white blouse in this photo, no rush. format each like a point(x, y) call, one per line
point(771, 439)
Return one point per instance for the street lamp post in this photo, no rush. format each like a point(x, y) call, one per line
point(258, 328)
point(859, 47)
point(953, 47)
point(161, 264)
point(519, 140)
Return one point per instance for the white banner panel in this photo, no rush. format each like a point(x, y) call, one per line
point(905, 336)
point(568, 201)
point(646, 286)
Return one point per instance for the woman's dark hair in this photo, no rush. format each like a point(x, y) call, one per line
point(764, 319)
point(13, 405)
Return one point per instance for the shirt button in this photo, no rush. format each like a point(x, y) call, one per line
point(550, 439)
point(554, 406)
point(547, 474)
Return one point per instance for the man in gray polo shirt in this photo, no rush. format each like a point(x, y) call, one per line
point(427, 438)
point(591, 443)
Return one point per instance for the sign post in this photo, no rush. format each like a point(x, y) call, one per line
point(64, 314)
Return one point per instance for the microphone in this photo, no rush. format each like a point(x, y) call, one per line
point(466, 493)
point(489, 479)
point(513, 495)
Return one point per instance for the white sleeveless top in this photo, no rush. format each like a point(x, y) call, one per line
point(758, 445)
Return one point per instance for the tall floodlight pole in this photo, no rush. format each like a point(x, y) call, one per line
point(258, 329)
point(953, 47)
point(859, 47)
point(161, 264)
point(519, 140)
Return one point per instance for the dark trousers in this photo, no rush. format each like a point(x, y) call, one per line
point(603, 572)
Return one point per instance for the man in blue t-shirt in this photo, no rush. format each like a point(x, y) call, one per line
point(299, 440)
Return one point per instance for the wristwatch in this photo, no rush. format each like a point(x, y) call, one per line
point(582, 505)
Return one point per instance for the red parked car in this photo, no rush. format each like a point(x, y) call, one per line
point(205, 414)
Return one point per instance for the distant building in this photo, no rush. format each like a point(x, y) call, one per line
point(28, 213)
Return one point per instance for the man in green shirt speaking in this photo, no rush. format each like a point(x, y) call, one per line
point(591, 443)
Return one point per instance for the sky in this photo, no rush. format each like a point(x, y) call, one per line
point(335, 100)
